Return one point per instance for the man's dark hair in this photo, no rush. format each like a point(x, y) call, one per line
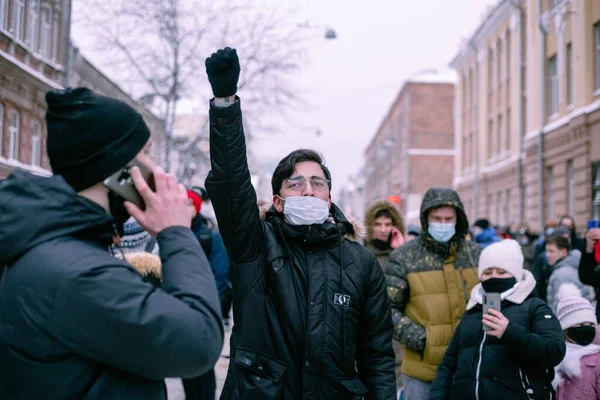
point(286, 167)
point(561, 242)
point(384, 213)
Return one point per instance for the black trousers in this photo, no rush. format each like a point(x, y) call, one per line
point(202, 387)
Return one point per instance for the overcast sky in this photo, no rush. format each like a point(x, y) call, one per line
point(352, 81)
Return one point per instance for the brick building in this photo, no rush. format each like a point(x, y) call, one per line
point(413, 148)
point(34, 37)
point(528, 113)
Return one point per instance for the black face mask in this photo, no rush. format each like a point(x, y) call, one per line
point(498, 285)
point(116, 205)
point(381, 244)
point(582, 335)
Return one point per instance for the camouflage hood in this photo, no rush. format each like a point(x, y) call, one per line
point(397, 219)
point(442, 197)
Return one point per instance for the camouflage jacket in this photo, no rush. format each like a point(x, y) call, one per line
point(429, 284)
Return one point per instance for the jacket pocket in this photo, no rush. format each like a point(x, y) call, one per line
point(258, 375)
point(354, 386)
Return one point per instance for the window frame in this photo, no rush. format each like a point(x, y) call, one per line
point(36, 143)
point(46, 39)
point(553, 85)
point(13, 135)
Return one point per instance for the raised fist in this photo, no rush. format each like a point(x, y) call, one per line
point(223, 70)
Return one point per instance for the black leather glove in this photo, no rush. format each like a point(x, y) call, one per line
point(223, 70)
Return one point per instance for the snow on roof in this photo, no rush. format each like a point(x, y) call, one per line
point(434, 76)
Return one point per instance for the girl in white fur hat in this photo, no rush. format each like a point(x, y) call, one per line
point(515, 358)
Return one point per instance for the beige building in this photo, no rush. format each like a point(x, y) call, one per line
point(527, 112)
point(413, 149)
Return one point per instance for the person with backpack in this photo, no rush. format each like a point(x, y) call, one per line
point(204, 386)
point(505, 354)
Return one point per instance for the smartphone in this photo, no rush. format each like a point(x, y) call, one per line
point(491, 301)
point(121, 183)
point(592, 223)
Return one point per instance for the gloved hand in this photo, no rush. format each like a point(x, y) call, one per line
point(223, 70)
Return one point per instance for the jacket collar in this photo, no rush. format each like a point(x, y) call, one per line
point(522, 291)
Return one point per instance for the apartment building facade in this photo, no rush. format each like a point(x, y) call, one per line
point(527, 113)
point(413, 148)
point(34, 37)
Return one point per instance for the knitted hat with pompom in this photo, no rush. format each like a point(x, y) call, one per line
point(572, 308)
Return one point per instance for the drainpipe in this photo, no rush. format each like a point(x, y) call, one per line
point(477, 160)
point(520, 184)
point(543, 32)
point(68, 60)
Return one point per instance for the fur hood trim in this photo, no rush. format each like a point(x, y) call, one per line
point(148, 265)
point(370, 216)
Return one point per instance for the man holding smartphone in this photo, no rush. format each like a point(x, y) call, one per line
point(75, 322)
point(311, 314)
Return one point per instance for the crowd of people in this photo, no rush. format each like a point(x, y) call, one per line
point(104, 297)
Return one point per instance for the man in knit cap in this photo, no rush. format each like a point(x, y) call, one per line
point(76, 322)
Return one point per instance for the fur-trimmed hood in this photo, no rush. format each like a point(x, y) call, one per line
point(383, 205)
point(148, 265)
point(355, 231)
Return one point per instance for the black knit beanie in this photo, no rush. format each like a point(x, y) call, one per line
point(90, 137)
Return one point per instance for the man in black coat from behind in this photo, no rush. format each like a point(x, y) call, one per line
point(76, 322)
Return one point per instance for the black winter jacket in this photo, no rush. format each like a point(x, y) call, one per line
point(523, 359)
point(312, 317)
point(77, 323)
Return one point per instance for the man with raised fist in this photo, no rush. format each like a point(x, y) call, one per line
point(312, 318)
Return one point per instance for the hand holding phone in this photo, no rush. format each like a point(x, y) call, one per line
point(165, 207)
point(121, 183)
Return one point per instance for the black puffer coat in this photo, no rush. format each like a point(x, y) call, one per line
point(293, 338)
point(523, 359)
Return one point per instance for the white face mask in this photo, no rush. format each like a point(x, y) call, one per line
point(305, 210)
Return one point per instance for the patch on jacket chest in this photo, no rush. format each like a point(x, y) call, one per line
point(341, 299)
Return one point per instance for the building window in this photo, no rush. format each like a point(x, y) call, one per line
point(570, 188)
point(490, 138)
point(33, 23)
point(500, 60)
point(18, 18)
point(3, 14)
point(36, 144)
point(597, 46)
point(490, 70)
point(550, 191)
point(596, 190)
point(1, 127)
point(508, 57)
point(508, 131)
point(46, 37)
point(499, 138)
point(553, 77)
point(13, 134)
point(569, 74)
point(500, 210)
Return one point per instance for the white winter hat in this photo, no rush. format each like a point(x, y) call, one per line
point(572, 308)
point(506, 255)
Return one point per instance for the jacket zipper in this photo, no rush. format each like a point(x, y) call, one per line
point(479, 366)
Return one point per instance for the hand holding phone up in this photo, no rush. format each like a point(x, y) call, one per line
point(496, 321)
point(165, 207)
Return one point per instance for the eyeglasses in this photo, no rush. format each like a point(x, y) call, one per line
point(298, 183)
